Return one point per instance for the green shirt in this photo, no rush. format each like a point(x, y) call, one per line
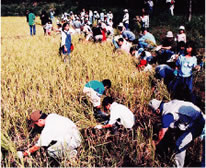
point(96, 86)
point(31, 19)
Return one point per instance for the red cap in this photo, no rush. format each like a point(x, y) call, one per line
point(142, 63)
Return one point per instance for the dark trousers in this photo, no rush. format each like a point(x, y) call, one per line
point(32, 29)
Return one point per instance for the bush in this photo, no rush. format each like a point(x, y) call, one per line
point(195, 29)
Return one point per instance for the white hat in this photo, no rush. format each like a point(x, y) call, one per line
point(169, 34)
point(126, 10)
point(182, 28)
point(154, 103)
point(120, 24)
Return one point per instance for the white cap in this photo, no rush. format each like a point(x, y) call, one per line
point(154, 103)
point(169, 34)
point(120, 24)
point(182, 28)
point(125, 10)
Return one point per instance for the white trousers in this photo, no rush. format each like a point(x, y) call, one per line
point(66, 148)
point(93, 96)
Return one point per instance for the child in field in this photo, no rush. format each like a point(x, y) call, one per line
point(48, 28)
point(185, 66)
point(181, 36)
point(58, 29)
point(94, 90)
point(66, 42)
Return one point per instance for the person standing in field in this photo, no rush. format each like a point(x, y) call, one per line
point(185, 65)
point(59, 135)
point(94, 90)
point(171, 5)
point(44, 19)
point(32, 23)
point(66, 42)
point(125, 19)
point(52, 15)
point(181, 36)
point(48, 28)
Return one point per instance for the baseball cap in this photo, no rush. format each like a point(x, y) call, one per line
point(35, 115)
point(142, 63)
point(154, 104)
point(126, 10)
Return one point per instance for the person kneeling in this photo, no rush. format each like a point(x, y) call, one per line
point(119, 114)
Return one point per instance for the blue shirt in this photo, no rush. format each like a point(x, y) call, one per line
point(77, 24)
point(128, 35)
point(186, 65)
point(96, 86)
point(167, 120)
point(148, 36)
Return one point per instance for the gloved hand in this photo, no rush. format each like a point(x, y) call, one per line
point(98, 126)
point(175, 72)
point(20, 154)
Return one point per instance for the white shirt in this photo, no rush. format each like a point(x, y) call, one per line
point(119, 111)
point(184, 113)
point(110, 23)
point(90, 13)
point(61, 129)
point(63, 37)
point(145, 19)
point(87, 29)
point(110, 15)
point(181, 37)
point(126, 46)
point(126, 18)
point(150, 2)
point(48, 26)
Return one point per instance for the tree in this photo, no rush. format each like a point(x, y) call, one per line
point(190, 10)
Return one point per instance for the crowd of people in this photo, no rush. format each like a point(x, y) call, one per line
point(174, 61)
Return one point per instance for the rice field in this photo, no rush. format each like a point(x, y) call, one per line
point(33, 76)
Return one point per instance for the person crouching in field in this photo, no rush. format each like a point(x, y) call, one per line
point(59, 135)
point(119, 115)
point(94, 90)
point(183, 115)
point(66, 43)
